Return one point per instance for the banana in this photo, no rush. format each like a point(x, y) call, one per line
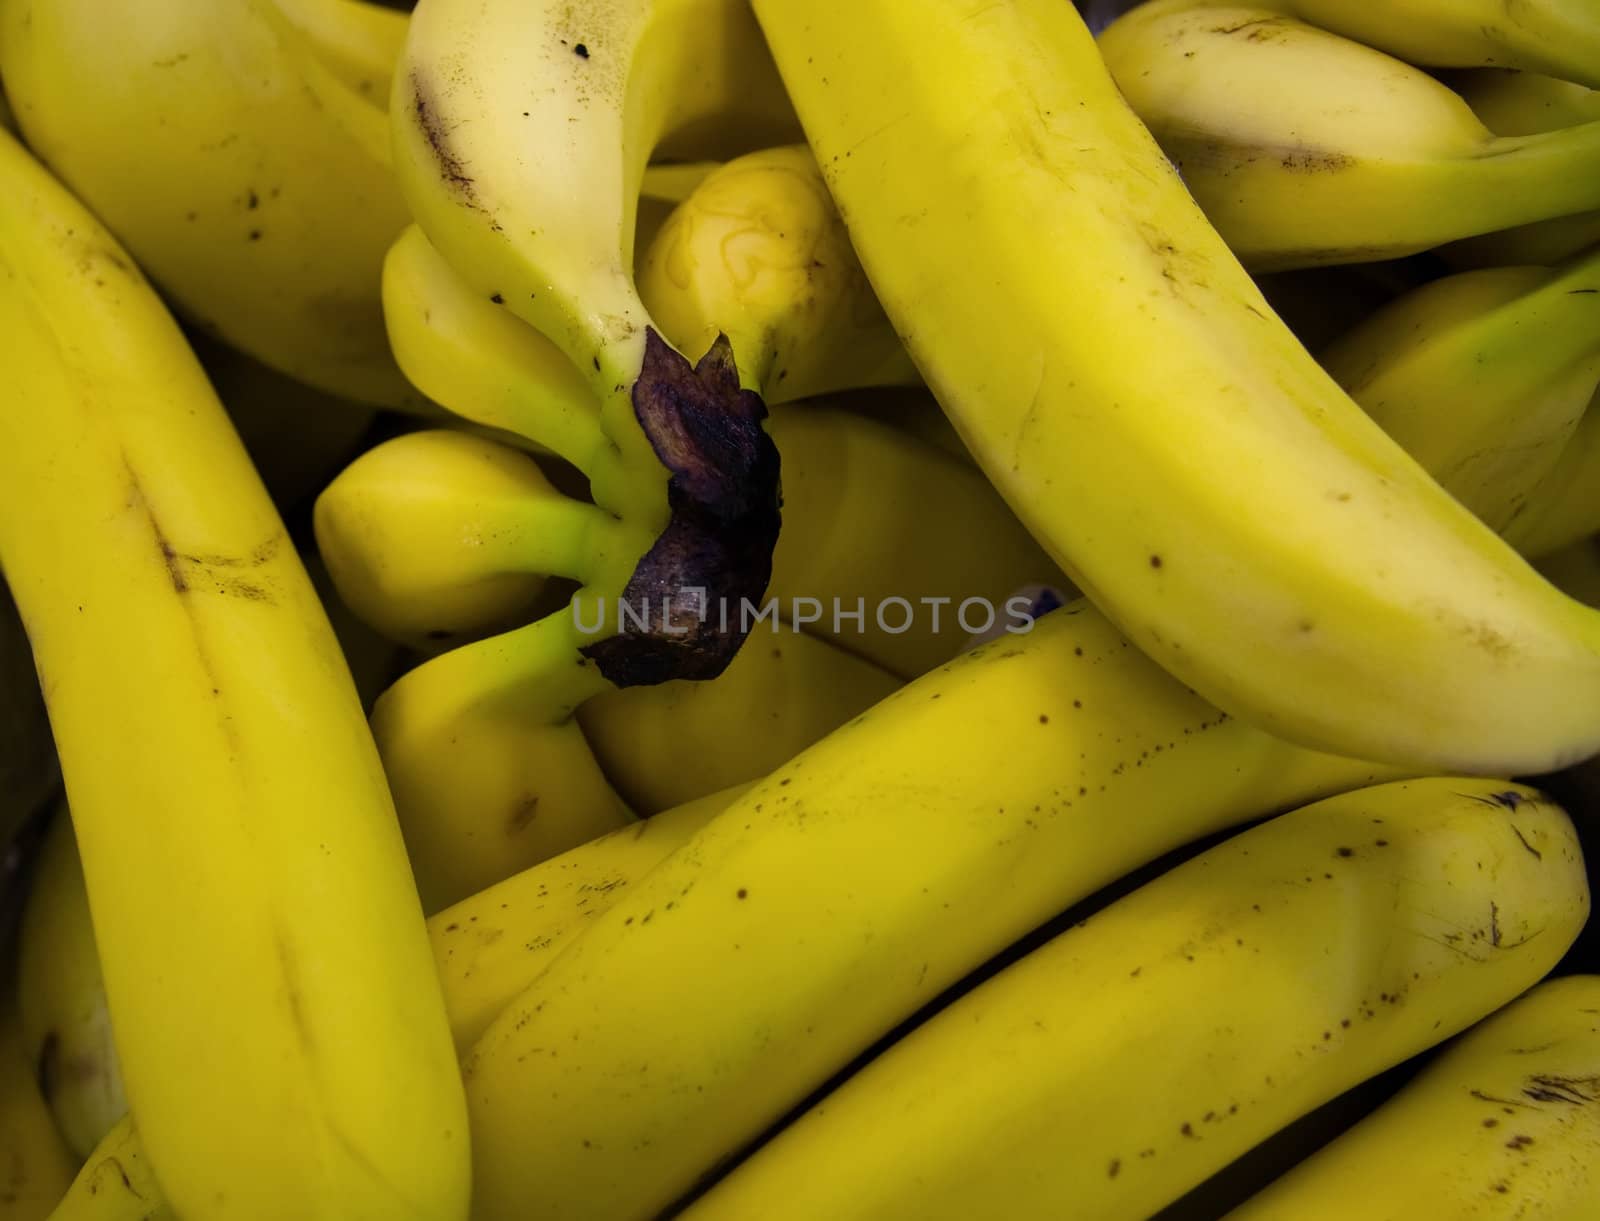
point(359, 42)
point(258, 928)
point(666, 745)
point(1523, 104)
point(436, 535)
point(1558, 37)
point(1482, 377)
point(65, 1025)
point(758, 252)
point(28, 771)
point(1130, 1058)
point(1128, 390)
point(491, 946)
point(867, 513)
point(36, 1166)
point(117, 1183)
point(227, 196)
point(839, 895)
point(1565, 507)
point(1504, 1124)
point(1305, 148)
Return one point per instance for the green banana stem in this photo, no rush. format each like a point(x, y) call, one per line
point(1559, 170)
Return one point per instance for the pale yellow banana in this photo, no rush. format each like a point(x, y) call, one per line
point(842, 893)
point(1482, 377)
point(258, 193)
point(1130, 1058)
point(1504, 1124)
point(61, 993)
point(360, 42)
point(253, 907)
point(438, 535)
point(36, 1166)
point(757, 252)
point(1307, 148)
point(1560, 37)
point(1128, 390)
point(1522, 104)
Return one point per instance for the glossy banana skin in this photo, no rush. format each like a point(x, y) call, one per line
point(1503, 1124)
point(842, 893)
point(226, 198)
point(1308, 149)
point(1178, 452)
point(281, 956)
point(1127, 1060)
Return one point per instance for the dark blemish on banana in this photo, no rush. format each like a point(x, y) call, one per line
point(1116, 1165)
point(1523, 840)
point(581, 51)
point(497, 298)
point(741, 893)
point(255, 235)
point(1155, 561)
point(1583, 292)
point(1043, 719)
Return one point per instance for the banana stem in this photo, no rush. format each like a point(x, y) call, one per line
point(1550, 174)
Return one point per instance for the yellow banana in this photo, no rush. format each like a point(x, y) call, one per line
point(1133, 1056)
point(1565, 507)
point(1560, 37)
point(226, 196)
point(253, 906)
point(1504, 1124)
point(842, 893)
point(437, 535)
point(360, 42)
point(757, 252)
point(28, 769)
point(1523, 104)
point(1306, 148)
point(1482, 377)
point(1128, 390)
point(116, 1183)
point(662, 746)
point(491, 946)
point(36, 1166)
point(65, 1025)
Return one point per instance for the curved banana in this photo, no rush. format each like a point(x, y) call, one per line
point(28, 771)
point(254, 910)
point(1482, 377)
point(1126, 387)
point(116, 1183)
point(758, 252)
point(437, 535)
point(1559, 37)
point(1130, 1058)
point(1305, 148)
point(226, 197)
point(1504, 1124)
point(1523, 104)
point(1565, 507)
point(842, 893)
point(665, 745)
point(61, 992)
point(36, 1167)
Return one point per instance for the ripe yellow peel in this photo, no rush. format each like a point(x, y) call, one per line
point(253, 905)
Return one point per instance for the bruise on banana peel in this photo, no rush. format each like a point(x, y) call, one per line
point(724, 499)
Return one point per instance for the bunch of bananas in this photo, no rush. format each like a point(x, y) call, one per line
point(744, 609)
